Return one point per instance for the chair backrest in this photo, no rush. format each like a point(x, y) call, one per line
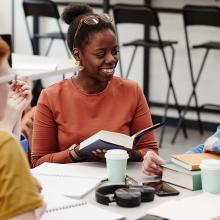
point(135, 14)
point(40, 8)
point(201, 15)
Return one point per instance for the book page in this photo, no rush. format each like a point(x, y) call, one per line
point(60, 207)
point(54, 200)
point(82, 212)
point(71, 170)
point(145, 130)
point(203, 207)
point(74, 187)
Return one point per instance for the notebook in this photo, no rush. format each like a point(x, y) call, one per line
point(74, 181)
point(61, 207)
point(73, 187)
point(71, 170)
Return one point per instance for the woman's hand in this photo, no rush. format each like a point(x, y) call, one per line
point(152, 164)
point(18, 99)
point(99, 153)
point(21, 91)
point(208, 145)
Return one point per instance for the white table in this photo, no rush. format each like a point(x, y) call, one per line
point(41, 67)
point(134, 170)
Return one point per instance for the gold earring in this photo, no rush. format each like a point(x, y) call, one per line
point(78, 66)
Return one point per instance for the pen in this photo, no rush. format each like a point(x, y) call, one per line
point(130, 181)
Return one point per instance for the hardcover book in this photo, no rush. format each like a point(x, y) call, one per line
point(112, 140)
point(192, 161)
point(179, 176)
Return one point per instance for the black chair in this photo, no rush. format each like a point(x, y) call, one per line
point(43, 8)
point(148, 17)
point(200, 16)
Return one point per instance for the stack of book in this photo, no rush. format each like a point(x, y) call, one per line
point(184, 170)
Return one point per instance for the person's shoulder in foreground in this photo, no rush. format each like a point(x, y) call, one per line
point(22, 195)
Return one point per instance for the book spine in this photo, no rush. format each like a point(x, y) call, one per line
point(197, 182)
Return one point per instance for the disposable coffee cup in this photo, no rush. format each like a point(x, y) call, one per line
point(116, 161)
point(210, 174)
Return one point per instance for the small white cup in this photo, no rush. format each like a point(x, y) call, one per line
point(116, 161)
point(210, 174)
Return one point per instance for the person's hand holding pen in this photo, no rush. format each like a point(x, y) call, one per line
point(152, 164)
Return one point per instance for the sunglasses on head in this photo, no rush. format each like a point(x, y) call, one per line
point(92, 20)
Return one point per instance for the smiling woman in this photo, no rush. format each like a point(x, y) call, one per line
point(74, 109)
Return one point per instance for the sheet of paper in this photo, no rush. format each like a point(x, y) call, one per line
point(203, 207)
point(75, 187)
point(60, 207)
point(72, 170)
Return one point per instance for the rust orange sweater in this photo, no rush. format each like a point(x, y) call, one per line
point(65, 116)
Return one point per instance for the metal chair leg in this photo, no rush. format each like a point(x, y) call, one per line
point(131, 62)
point(193, 94)
point(170, 88)
point(48, 49)
point(120, 66)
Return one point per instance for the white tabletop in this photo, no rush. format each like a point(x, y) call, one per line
point(134, 171)
point(40, 67)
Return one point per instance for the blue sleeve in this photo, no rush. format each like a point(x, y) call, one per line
point(24, 143)
point(216, 145)
point(217, 133)
point(196, 150)
point(199, 148)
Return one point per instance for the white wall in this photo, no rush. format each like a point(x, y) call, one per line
point(5, 16)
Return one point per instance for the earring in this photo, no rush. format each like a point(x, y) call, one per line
point(78, 66)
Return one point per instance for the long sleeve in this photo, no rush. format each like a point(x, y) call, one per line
point(142, 119)
point(45, 135)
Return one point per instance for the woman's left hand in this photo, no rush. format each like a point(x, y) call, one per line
point(99, 153)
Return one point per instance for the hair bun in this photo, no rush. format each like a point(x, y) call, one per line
point(74, 10)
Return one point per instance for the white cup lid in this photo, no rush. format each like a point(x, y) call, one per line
point(116, 154)
point(210, 164)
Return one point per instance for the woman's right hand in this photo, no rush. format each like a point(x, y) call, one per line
point(152, 164)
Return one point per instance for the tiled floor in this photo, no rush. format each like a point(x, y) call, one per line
point(181, 144)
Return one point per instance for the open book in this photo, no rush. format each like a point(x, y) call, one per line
point(61, 207)
point(112, 140)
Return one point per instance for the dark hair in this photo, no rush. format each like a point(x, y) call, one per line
point(72, 15)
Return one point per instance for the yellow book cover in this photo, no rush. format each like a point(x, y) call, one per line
point(192, 161)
